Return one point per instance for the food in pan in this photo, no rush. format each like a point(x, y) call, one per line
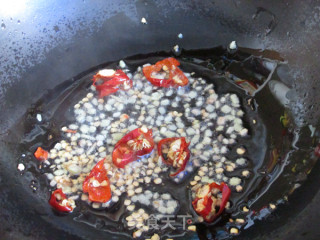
point(137, 136)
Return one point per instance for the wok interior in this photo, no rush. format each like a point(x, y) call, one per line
point(119, 34)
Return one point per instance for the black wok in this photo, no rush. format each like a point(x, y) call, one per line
point(45, 43)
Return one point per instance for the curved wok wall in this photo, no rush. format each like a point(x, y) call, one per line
point(44, 43)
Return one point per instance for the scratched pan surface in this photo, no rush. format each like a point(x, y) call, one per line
point(45, 43)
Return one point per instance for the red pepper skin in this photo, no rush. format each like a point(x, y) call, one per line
point(41, 154)
point(226, 192)
point(105, 91)
point(111, 84)
point(174, 72)
point(207, 203)
point(183, 148)
point(127, 154)
point(56, 204)
point(317, 150)
point(101, 193)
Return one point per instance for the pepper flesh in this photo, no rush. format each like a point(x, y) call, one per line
point(57, 201)
point(182, 152)
point(133, 145)
point(317, 150)
point(208, 213)
point(41, 154)
point(108, 84)
point(97, 184)
point(169, 66)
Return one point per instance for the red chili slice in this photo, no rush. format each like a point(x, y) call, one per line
point(97, 184)
point(173, 76)
point(133, 145)
point(317, 150)
point(57, 201)
point(178, 158)
point(208, 202)
point(108, 81)
point(205, 213)
point(41, 154)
